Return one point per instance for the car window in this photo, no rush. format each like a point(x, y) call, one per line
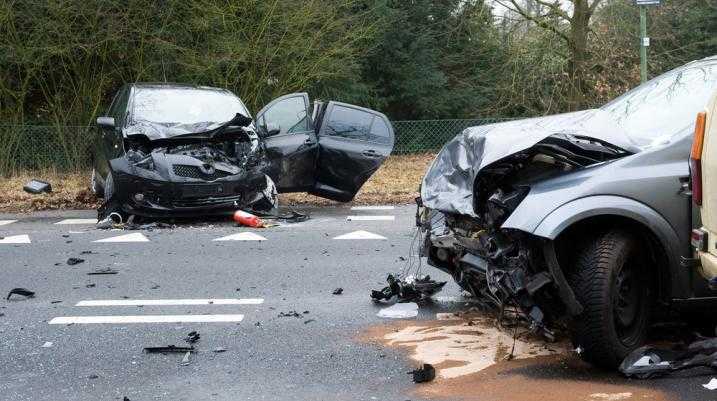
point(185, 105)
point(349, 123)
point(666, 105)
point(379, 131)
point(120, 107)
point(288, 115)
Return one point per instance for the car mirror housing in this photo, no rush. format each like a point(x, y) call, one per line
point(107, 123)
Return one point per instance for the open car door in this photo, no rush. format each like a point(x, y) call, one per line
point(291, 145)
point(353, 143)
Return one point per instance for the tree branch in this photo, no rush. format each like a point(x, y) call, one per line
point(538, 20)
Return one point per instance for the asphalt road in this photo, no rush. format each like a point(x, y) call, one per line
point(96, 350)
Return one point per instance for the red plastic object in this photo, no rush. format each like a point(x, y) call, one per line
point(247, 219)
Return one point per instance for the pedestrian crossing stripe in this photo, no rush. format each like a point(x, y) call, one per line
point(134, 237)
point(360, 235)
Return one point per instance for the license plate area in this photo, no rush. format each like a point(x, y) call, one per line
point(201, 191)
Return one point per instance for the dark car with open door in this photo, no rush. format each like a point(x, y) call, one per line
point(168, 149)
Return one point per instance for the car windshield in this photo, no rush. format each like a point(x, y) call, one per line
point(666, 105)
point(185, 106)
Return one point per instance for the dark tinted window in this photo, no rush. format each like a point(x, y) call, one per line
point(288, 115)
point(349, 123)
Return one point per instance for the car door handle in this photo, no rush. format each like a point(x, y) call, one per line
point(370, 153)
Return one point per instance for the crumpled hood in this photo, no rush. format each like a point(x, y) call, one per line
point(448, 183)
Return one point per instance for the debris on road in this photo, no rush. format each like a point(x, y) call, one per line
point(192, 337)
point(47, 344)
point(338, 291)
point(425, 373)
point(291, 216)
point(247, 219)
point(712, 385)
point(399, 311)
point(648, 362)
point(74, 261)
point(307, 321)
point(293, 313)
point(21, 291)
point(219, 350)
point(37, 187)
point(108, 270)
point(167, 349)
point(185, 360)
point(409, 289)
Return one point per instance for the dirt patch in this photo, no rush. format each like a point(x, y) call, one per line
point(472, 366)
point(396, 182)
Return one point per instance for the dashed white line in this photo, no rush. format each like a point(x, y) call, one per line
point(78, 221)
point(168, 302)
point(6, 222)
point(147, 319)
point(373, 207)
point(245, 236)
point(134, 237)
point(370, 218)
point(16, 239)
point(360, 235)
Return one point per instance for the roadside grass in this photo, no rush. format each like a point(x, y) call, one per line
point(396, 182)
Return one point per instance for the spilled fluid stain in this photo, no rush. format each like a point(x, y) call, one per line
point(462, 349)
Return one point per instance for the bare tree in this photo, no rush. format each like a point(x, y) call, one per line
point(569, 20)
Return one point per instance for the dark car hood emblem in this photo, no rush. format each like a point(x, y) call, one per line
point(207, 169)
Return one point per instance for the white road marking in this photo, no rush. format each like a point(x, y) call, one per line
point(370, 218)
point(373, 208)
point(360, 235)
point(78, 221)
point(6, 222)
point(147, 319)
point(166, 302)
point(245, 236)
point(134, 237)
point(16, 239)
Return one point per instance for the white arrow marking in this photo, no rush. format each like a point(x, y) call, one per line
point(134, 237)
point(373, 208)
point(16, 239)
point(6, 222)
point(370, 218)
point(78, 221)
point(170, 302)
point(147, 319)
point(360, 235)
point(245, 236)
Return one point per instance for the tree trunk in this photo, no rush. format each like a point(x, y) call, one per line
point(578, 46)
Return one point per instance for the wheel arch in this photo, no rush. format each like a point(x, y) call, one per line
point(574, 220)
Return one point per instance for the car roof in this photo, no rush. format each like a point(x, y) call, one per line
point(173, 85)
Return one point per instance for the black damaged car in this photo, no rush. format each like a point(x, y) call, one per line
point(171, 149)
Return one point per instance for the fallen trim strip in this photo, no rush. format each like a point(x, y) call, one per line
point(147, 319)
point(168, 302)
point(370, 218)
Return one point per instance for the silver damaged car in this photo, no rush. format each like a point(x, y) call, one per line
point(579, 220)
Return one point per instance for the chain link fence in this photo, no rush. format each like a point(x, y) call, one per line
point(69, 148)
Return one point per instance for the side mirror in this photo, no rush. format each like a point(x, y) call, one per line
point(272, 129)
point(106, 123)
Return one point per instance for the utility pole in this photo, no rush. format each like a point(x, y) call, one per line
point(644, 39)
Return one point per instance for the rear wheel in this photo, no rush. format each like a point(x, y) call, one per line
point(610, 280)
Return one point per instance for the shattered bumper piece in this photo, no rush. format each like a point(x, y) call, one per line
point(648, 362)
point(408, 290)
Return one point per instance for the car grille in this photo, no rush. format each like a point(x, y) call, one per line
point(184, 170)
point(210, 201)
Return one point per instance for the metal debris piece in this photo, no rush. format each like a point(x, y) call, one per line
point(21, 291)
point(338, 291)
point(307, 321)
point(648, 362)
point(167, 349)
point(185, 360)
point(291, 313)
point(37, 187)
point(192, 337)
point(410, 289)
point(108, 270)
point(425, 373)
point(74, 261)
point(219, 350)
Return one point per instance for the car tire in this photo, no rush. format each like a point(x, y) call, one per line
point(610, 282)
point(109, 188)
point(95, 186)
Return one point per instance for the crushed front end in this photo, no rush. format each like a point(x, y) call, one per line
point(466, 198)
point(202, 173)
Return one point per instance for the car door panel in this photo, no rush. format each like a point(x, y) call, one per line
point(353, 143)
point(292, 151)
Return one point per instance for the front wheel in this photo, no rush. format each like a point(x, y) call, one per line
point(610, 281)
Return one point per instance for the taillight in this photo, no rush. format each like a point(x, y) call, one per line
point(698, 239)
point(696, 158)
